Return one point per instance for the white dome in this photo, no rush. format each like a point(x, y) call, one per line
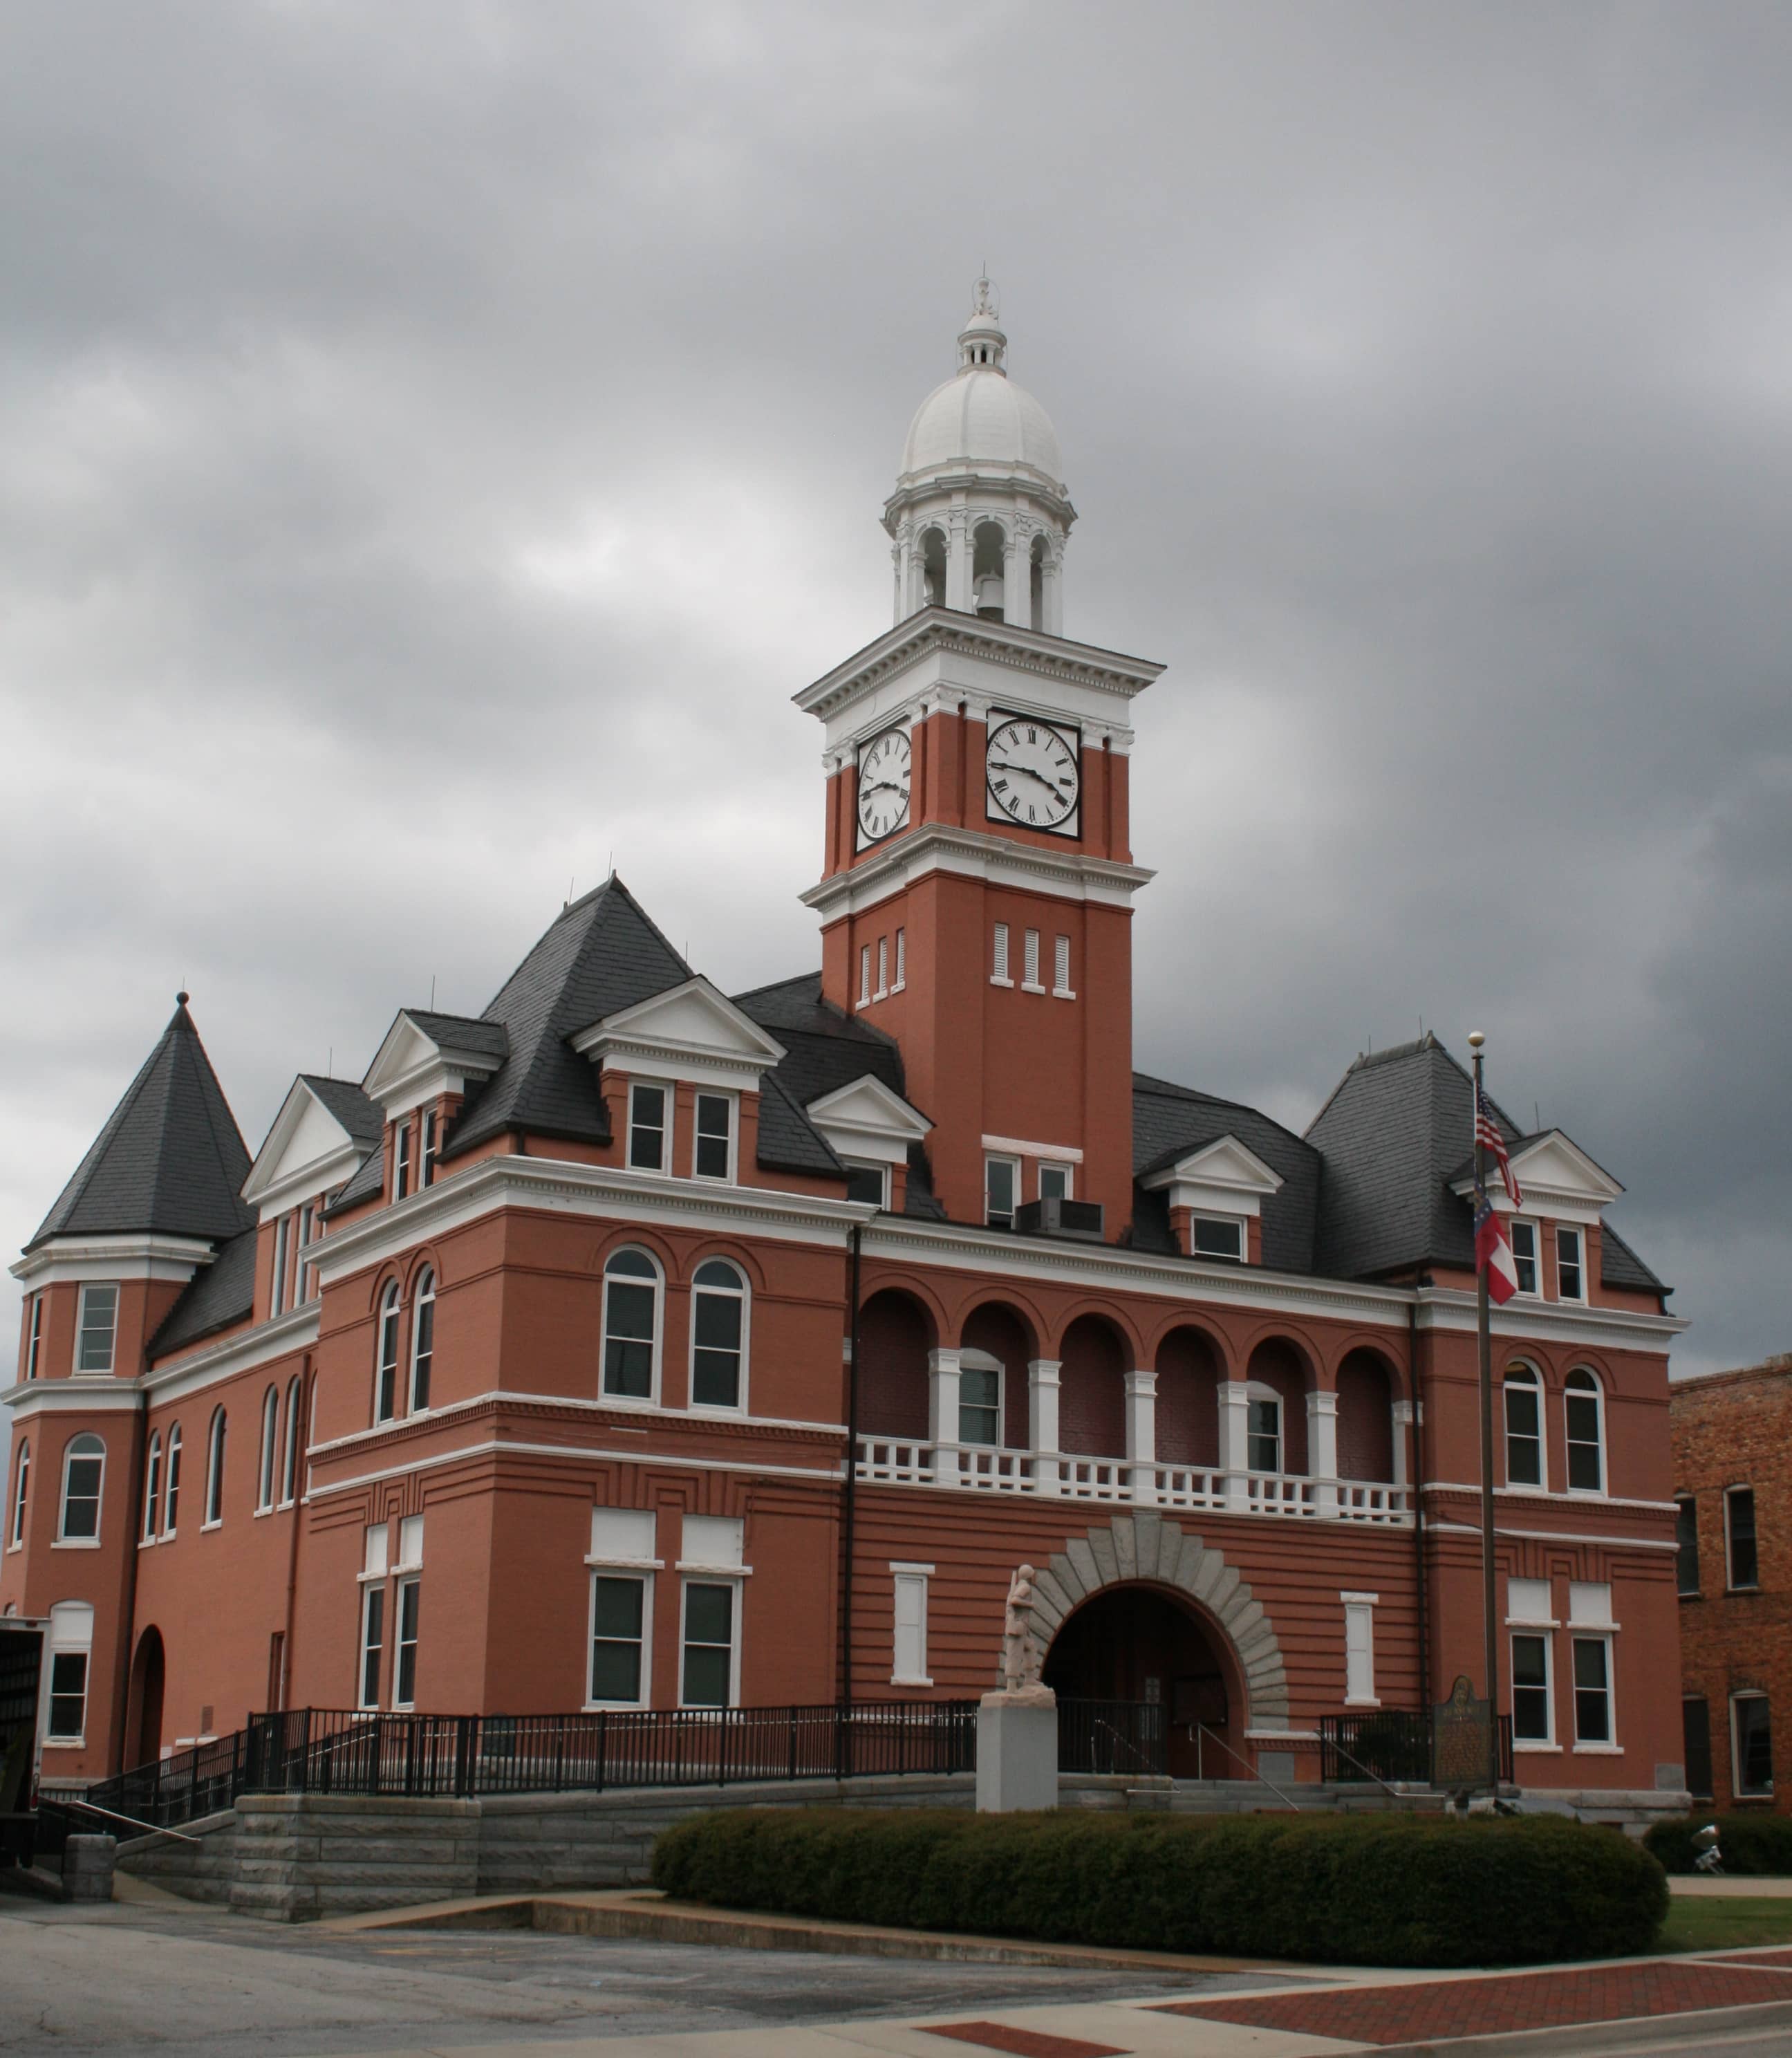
point(981, 417)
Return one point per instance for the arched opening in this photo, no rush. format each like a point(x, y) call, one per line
point(989, 569)
point(997, 1335)
point(1277, 1377)
point(1140, 1645)
point(1036, 611)
point(149, 1676)
point(1092, 1390)
point(1188, 1379)
point(1364, 1418)
point(894, 1338)
point(933, 568)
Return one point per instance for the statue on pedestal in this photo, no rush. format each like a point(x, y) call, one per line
point(1021, 1658)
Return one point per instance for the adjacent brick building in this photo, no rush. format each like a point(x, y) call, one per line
point(1733, 1488)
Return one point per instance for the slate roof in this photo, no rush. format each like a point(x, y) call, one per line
point(218, 1296)
point(169, 1159)
point(363, 1118)
point(460, 1032)
point(1169, 1121)
point(825, 1047)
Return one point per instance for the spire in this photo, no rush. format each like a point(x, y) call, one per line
point(982, 346)
point(170, 1157)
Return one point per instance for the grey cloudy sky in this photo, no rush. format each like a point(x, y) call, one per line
point(436, 439)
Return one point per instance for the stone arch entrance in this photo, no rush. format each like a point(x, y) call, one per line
point(1144, 1644)
point(1214, 1629)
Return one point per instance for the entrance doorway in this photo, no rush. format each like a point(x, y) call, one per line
point(148, 1670)
point(1138, 1644)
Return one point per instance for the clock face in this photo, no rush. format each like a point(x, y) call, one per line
point(1033, 774)
point(883, 785)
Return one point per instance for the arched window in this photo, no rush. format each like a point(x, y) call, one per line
point(422, 1341)
point(386, 1362)
point(83, 1475)
point(152, 1486)
point(632, 1293)
point(933, 568)
point(1035, 598)
point(718, 1336)
point(1523, 1401)
point(20, 1488)
point(170, 1505)
point(270, 1449)
point(988, 570)
point(1584, 1404)
point(215, 1468)
point(289, 1475)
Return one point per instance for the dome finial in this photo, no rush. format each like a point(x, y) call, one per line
point(984, 301)
point(981, 345)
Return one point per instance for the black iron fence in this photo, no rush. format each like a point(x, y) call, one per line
point(1392, 1744)
point(1112, 1736)
point(325, 1750)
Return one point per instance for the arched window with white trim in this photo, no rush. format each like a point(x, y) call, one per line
point(171, 1500)
point(719, 1301)
point(422, 1341)
point(270, 1450)
point(1584, 1405)
point(633, 1295)
point(83, 1479)
point(289, 1472)
point(386, 1356)
point(1523, 1397)
point(152, 1485)
point(214, 1467)
point(21, 1488)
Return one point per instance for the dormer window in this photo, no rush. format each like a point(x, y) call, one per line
point(432, 1130)
point(714, 1153)
point(868, 1182)
point(1570, 1279)
point(401, 1160)
point(1217, 1236)
point(647, 1127)
point(1524, 1255)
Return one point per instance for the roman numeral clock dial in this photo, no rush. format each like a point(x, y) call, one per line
point(1034, 776)
point(883, 785)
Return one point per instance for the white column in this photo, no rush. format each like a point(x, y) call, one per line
point(1402, 1411)
point(899, 568)
point(1053, 596)
point(1042, 1422)
point(1321, 1449)
point(942, 1414)
point(1017, 581)
point(1234, 1438)
point(958, 560)
point(1141, 1433)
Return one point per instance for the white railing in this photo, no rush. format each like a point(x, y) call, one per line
point(884, 1461)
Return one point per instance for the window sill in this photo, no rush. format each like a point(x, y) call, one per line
point(1031, 985)
point(1733, 1592)
point(1754, 1799)
point(902, 1679)
point(64, 1743)
point(147, 1543)
point(261, 1512)
point(715, 1410)
point(713, 1571)
point(217, 1523)
point(1521, 1748)
point(901, 986)
point(614, 1707)
point(1062, 993)
point(1689, 1597)
point(994, 981)
point(76, 1543)
point(1599, 1750)
point(1529, 1628)
point(624, 1565)
point(882, 993)
point(1349, 1704)
point(636, 1404)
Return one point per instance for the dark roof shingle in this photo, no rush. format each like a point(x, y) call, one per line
point(218, 1296)
point(1168, 1120)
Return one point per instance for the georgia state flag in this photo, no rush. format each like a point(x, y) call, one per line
point(1494, 1254)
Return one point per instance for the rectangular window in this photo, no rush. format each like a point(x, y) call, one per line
point(1359, 1651)
point(401, 1160)
point(404, 1679)
point(1060, 969)
point(308, 1273)
point(1524, 1255)
point(1753, 1757)
point(901, 979)
point(1266, 1436)
point(373, 1641)
point(979, 1405)
point(883, 967)
point(1523, 1428)
point(68, 1696)
point(1056, 1181)
point(715, 1147)
point(1586, 1454)
point(83, 1476)
point(618, 1638)
point(647, 1127)
point(1001, 1186)
point(1530, 1721)
point(1029, 976)
point(1739, 1522)
point(1570, 1284)
point(283, 1234)
point(909, 1665)
point(1695, 1732)
point(34, 1340)
point(1685, 1535)
point(98, 1328)
point(709, 1620)
point(1592, 1688)
point(432, 1130)
point(998, 974)
point(868, 1182)
point(864, 973)
point(1214, 1237)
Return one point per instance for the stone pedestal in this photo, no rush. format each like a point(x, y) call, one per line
point(1018, 1751)
point(87, 1865)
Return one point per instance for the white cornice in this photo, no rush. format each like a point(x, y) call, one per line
point(509, 1446)
point(294, 1330)
point(1066, 875)
point(66, 1257)
point(72, 1396)
point(1552, 1321)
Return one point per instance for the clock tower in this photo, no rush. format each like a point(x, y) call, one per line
point(976, 900)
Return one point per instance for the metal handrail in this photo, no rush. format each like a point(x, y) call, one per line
point(154, 1828)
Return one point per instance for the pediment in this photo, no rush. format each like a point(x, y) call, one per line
point(432, 1058)
point(693, 1019)
point(1555, 1164)
point(865, 1107)
point(1225, 1164)
point(306, 1139)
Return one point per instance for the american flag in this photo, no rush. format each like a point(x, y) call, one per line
point(1487, 1136)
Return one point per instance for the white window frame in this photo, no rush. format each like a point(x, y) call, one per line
point(1570, 1443)
point(217, 1453)
point(1359, 1641)
point(865, 975)
point(1546, 1637)
point(429, 1148)
point(902, 978)
point(289, 1464)
point(735, 1582)
point(267, 1472)
point(999, 957)
point(1531, 1380)
point(20, 1505)
point(881, 991)
point(911, 1579)
point(1738, 1790)
point(97, 1371)
point(731, 1102)
point(35, 1337)
point(307, 1270)
point(651, 1398)
point(1061, 988)
point(71, 1635)
point(1729, 1585)
point(1029, 961)
point(1685, 1503)
point(1580, 1236)
point(401, 1160)
point(1257, 1395)
point(408, 1587)
point(876, 1166)
point(424, 1297)
point(1013, 1165)
point(744, 1294)
point(1608, 1744)
point(663, 1088)
point(71, 1455)
point(373, 1595)
point(982, 1361)
point(171, 1484)
point(1237, 1223)
point(1529, 1224)
point(388, 1331)
point(276, 1288)
point(1058, 1169)
point(152, 1486)
point(610, 1528)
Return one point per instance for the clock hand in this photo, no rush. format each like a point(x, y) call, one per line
point(881, 786)
point(1027, 772)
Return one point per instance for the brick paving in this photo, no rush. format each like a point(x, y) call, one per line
point(1023, 2043)
point(1482, 2007)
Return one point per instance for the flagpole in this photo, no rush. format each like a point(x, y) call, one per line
point(1483, 1341)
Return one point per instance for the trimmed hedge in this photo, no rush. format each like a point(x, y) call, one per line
point(1754, 1844)
point(1382, 1889)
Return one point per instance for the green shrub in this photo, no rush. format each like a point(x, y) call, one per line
point(1754, 1844)
point(1371, 1889)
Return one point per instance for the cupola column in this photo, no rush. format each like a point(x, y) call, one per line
point(1017, 585)
point(958, 561)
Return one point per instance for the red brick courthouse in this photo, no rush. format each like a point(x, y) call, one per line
point(519, 1377)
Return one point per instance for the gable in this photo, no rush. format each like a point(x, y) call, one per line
point(307, 1148)
point(864, 1118)
point(688, 1031)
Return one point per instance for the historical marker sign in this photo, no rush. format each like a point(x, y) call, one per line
point(1461, 1735)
